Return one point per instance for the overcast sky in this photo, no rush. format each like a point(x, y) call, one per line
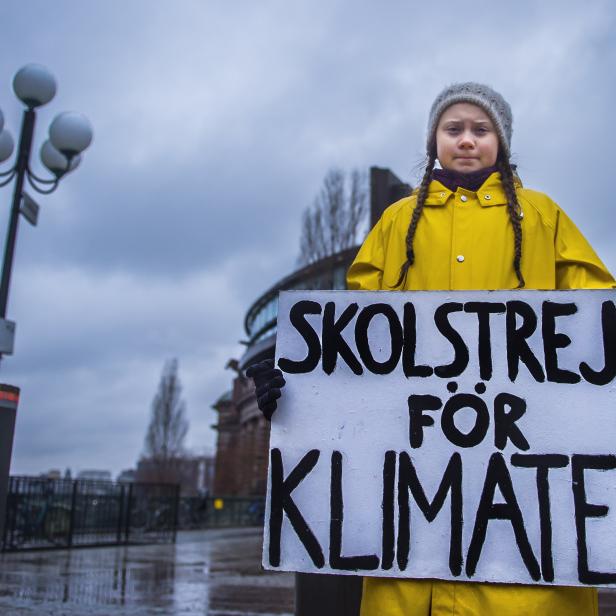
point(214, 124)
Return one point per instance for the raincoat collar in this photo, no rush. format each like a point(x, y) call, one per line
point(471, 180)
point(490, 193)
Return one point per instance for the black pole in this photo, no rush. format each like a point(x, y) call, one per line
point(71, 526)
point(129, 506)
point(120, 514)
point(23, 160)
point(176, 511)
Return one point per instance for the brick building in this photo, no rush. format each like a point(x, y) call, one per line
point(242, 447)
point(243, 433)
point(194, 473)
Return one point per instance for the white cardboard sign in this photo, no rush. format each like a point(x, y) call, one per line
point(465, 436)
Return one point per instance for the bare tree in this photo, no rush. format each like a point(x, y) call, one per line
point(334, 221)
point(164, 441)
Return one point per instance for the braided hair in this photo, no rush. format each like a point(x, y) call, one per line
point(421, 200)
point(513, 208)
point(515, 213)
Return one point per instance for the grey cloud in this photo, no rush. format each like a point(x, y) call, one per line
point(213, 128)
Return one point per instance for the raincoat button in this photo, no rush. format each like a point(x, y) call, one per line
point(521, 215)
point(443, 195)
point(487, 197)
point(464, 198)
point(460, 258)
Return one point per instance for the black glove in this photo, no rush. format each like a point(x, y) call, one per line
point(268, 381)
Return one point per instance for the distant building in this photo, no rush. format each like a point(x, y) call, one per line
point(53, 473)
point(194, 474)
point(243, 433)
point(127, 476)
point(94, 475)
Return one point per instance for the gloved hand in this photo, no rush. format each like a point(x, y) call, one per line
point(268, 381)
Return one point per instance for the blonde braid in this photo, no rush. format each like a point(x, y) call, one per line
point(515, 216)
point(410, 234)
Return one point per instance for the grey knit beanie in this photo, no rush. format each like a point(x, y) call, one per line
point(478, 94)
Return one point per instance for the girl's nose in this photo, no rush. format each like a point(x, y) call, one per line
point(466, 140)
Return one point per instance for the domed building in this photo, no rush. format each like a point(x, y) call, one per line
point(243, 433)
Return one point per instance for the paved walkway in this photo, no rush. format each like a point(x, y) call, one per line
point(213, 573)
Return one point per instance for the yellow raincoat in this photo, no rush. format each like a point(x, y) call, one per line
point(464, 241)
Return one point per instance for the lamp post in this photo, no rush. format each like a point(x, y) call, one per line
point(69, 134)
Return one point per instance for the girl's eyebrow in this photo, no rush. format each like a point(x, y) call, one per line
point(456, 122)
point(461, 121)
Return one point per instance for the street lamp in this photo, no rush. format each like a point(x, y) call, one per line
point(69, 134)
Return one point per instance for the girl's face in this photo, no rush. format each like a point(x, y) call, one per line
point(466, 139)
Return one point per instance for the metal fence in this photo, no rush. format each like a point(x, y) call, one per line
point(47, 513)
point(217, 512)
point(64, 513)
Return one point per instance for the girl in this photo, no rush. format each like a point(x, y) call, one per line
point(469, 226)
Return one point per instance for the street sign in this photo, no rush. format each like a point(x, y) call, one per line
point(29, 208)
point(7, 336)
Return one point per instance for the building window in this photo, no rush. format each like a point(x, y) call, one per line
point(340, 278)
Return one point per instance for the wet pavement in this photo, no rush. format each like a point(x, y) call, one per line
point(214, 572)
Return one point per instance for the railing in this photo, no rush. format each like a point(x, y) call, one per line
point(215, 512)
point(62, 513)
point(65, 513)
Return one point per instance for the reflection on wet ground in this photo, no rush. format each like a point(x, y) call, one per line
point(215, 572)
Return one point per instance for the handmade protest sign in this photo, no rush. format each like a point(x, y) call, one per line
point(465, 436)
